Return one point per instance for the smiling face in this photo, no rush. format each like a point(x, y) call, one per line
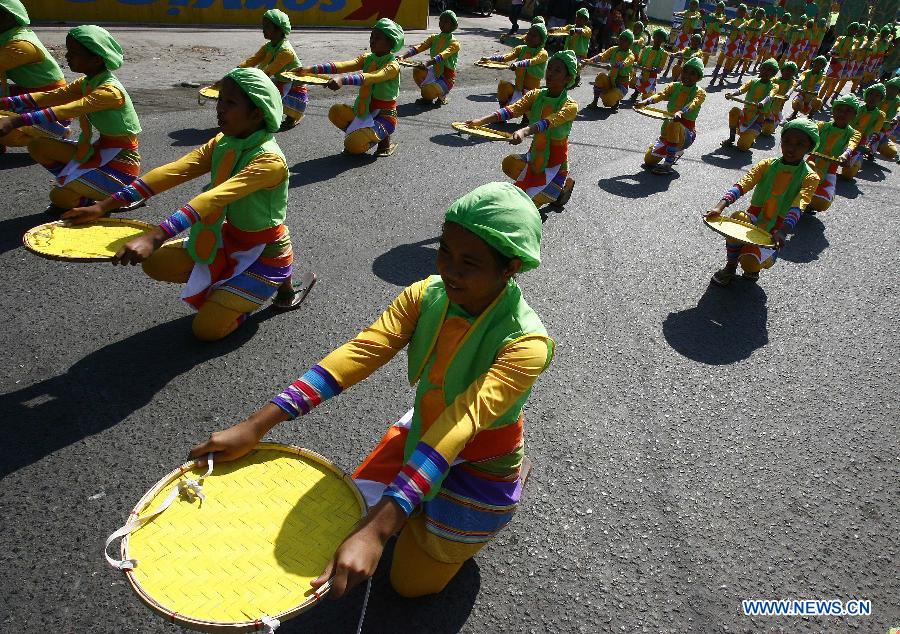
point(81, 60)
point(795, 145)
point(235, 113)
point(379, 43)
point(271, 32)
point(474, 273)
point(557, 76)
point(842, 115)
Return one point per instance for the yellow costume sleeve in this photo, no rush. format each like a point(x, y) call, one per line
point(605, 55)
point(18, 53)
point(254, 59)
point(450, 50)
point(490, 396)
point(377, 344)
point(855, 140)
point(698, 99)
point(523, 106)
point(743, 89)
point(390, 71)
point(66, 94)
point(190, 166)
point(664, 95)
point(281, 60)
point(424, 46)
point(807, 191)
point(568, 112)
point(349, 65)
point(263, 172)
point(753, 175)
point(104, 97)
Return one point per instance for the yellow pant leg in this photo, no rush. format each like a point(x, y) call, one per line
point(734, 117)
point(768, 128)
point(419, 75)
point(341, 115)
point(849, 173)
point(513, 165)
point(48, 151)
point(815, 106)
point(650, 158)
point(887, 149)
point(19, 138)
point(827, 87)
point(673, 132)
point(746, 139)
point(431, 92)
point(360, 141)
point(414, 573)
point(169, 263)
point(220, 315)
point(72, 195)
point(505, 92)
point(721, 59)
point(611, 97)
point(730, 63)
point(705, 59)
point(676, 71)
point(819, 204)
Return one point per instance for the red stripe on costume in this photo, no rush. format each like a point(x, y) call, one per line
point(385, 461)
point(310, 393)
point(493, 443)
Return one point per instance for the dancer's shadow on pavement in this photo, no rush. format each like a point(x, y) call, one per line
point(482, 98)
point(12, 229)
point(873, 172)
point(102, 389)
point(387, 612)
point(13, 160)
point(324, 168)
point(406, 263)
point(807, 243)
point(638, 185)
point(847, 189)
point(192, 136)
point(725, 327)
point(728, 158)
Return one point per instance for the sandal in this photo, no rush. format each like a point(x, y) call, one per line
point(386, 151)
point(722, 277)
point(661, 169)
point(284, 301)
point(566, 193)
point(750, 277)
point(289, 123)
point(727, 143)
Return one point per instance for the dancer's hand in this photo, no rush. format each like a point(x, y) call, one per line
point(512, 66)
point(778, 238)
point(356, 559)
point(518, 136)
point(81, 215)
point(139, 249)
point(677, 116)
point(334, 84)
point(238, 440)
point(7, 125)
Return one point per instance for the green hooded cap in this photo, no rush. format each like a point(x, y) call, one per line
point(879, 88)
point(822, 22)
point(393, 31)
point(894, 83)
point(568, 58)
point(262, 92)
point(17, 10)
point(787, 17)
point(659, 31)
point(720, 5)
point(693, 4)
point(279, 18)
point(807, 127)
point(849, 101)
point(789, 65)
point(821, 59)
point(885, 30)
point(696, 63)
point(99, 42)
point(541, 29)
point(584, 13)
point(770, 63)
point(451, 16)
point(538, 19)
point(759, 12)
point(742, 7)
point(638, 26)
point(502, 215)
point(853, 25)
point(628, 35)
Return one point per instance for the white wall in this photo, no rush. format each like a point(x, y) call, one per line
point(663, 9)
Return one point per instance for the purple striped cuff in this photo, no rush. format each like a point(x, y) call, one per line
point(496, 58)
point(351, 79)
point(39, 117)
point(417, 477)
point(793, 215)
point(328, 68)
point(138, 190)
point(732, 194)
point(180, 221)
point(438, 58)
point(411, 51)
point(314, 387)
point(504, 114)
point(541, 125)
point(522, 63)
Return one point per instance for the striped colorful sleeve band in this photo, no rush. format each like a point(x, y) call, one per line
point(496, 58)
point(522, 63)
point(324, 68)
point(438, 58)
point(352, 79)
point(411, 51)
point(503, 114)
point(314, 387)
point(425, 467)
point(180, 221)
point(732, 194)
point(18, 103)
point(541, 125)
point(793, 215)
point(138, 190)
point(39, 117)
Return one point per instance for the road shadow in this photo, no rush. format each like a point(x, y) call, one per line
point(482, 98)
point(325, 168)
point(807, 243)
point(412, 109)
point(847, 189)
point(13, 160)
point(725, 327)
point(192, 136)
point(764, 142)
point(872, 172)
point(387, 612)
point(450, 139)
point(715, 89)
point(727, 159)
point(12, 229)
point(594, 114)
point(638, 185)
point(406, 263)
point(99, 391)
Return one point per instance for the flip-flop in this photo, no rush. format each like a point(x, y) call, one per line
point(284, 302)
point(388, 151)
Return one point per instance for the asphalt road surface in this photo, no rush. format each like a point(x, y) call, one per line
point(693, 446)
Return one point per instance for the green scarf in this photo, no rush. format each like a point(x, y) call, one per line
point(119, 121)
point(535, 70)
point(544, 106)
point(837, 148)
point(385, 91)
point(652, 58)
point(29, 75)
point(762, 193)
point(440, 43)
point(673, 104)
point(272, 51)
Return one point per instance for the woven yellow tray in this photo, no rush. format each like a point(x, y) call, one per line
point(653, 113)
point(494, 65)
point(244, 554)
point(482, 131)
point(96, 241)
point(313, 80)
point(209, 92)
point(741, 231)
point(410, 63)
